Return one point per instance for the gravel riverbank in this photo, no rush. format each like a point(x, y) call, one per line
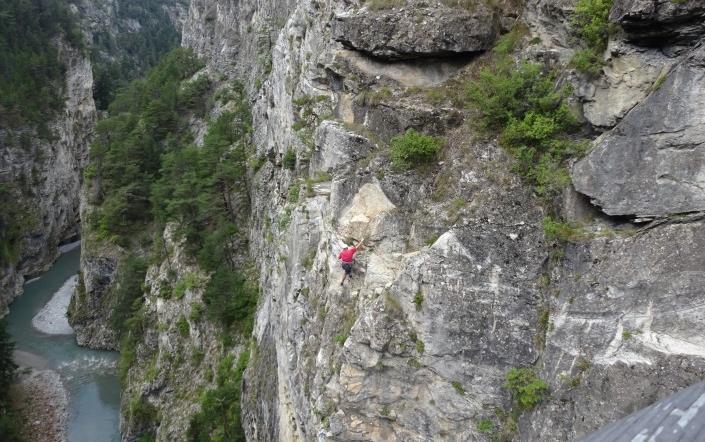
point(42, 401)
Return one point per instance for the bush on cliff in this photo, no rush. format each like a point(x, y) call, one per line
point(528, 107)
point(590, 23)
point(220, 416)
point(413, 148)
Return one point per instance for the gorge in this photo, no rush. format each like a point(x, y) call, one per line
point(526, 176)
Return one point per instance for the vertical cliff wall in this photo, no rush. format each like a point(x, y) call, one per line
point(49, 172)
point(461, 279)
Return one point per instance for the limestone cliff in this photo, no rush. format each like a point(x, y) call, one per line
point(49, 170)
point(458, 282)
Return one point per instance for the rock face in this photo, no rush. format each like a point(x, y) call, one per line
point(55, 167)
point(418, 31)
point(625, 328)
point(456, 283)
point(654, 22)
point(652, 163)
point(91, 305)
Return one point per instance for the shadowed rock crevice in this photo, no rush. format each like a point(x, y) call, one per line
point(660, 22)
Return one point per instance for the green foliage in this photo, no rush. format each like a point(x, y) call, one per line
point(144, 125)
point(231, 300)
point(289, 159)
point(193, 95)
point(15, 219)
point(126, 290)
point(183, 327)
point(555, 230)
point(458, 387)
point(590, 22)
point(142, 418)
point(118, 59)
point(188, 282)
point(294, 192)
point(418, 300)
point(525, 105)
point(31, 75)
point(485, 426)
point(220, 417)
point(413, 149)
point(526, 388)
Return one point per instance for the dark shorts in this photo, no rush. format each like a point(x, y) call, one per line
point(347, 266)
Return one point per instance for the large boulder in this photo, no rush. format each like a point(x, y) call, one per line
point(418, 32)
point(653, 162)
point(658, 22)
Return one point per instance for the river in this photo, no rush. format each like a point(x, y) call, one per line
point(88, 375)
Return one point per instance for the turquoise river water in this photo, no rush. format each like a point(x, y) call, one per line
point(88, 375)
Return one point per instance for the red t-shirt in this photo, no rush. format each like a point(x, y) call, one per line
point(347, 254)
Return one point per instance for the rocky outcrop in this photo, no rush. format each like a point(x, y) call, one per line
point(418, 31)
point(625, 327)
point(49, 172)
point(651, 164)
point(92, 303)
point(658, 22)
point(456, 284)
point(179, 353)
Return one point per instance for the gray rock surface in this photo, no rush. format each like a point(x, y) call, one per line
point(658, 22)
point(417, 31)
point(92, 302)
point(625, 327)
point(51, 173)
point(451, 289)
point(652, 163)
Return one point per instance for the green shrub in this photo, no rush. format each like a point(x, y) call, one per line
point(525, 105)
point(142, 418)
point(15, 221)
point(126, 291)
point(294, 191)
point(289, 160)
point(220, 416)
point(485, 426)
point(183, 327)
point(196, 313)
point(526, 388)
point(413, 149)
point(562, 231)
point(590, 23)
point(231, 300)
point(418, 300)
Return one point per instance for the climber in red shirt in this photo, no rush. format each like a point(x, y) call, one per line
point(346, 257)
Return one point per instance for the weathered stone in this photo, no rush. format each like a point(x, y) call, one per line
point(653, 162)
point(415, 32)
point(349, 147)
point(656, 23)
point(629, 76)
point(625, 329)
point(56, 166)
